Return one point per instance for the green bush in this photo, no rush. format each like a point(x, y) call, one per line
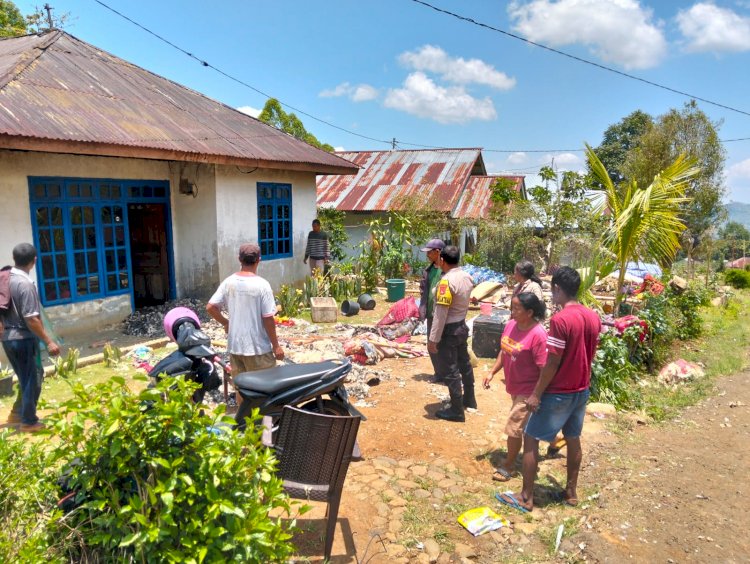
point(613, 377)
point(160, 482)
point(27, 501)
point(737, 278)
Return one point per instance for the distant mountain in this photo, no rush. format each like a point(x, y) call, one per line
point(739, 212)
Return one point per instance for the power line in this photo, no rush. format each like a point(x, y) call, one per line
point(394, 143)
point(575, 58)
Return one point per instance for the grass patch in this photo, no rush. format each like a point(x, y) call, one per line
point(548, 535)
point(722, 350)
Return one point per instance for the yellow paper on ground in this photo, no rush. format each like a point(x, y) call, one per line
point(481, 520)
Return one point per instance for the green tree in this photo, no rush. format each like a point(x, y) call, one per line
point(734, 238)
point(688, 131)
point(273, 114)
point(332, 221)
point(12, 23)
point(645, 221)
point(621, 138)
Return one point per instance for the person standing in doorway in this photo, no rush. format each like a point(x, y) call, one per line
point(430, 278)
point(559, 399)
point(449, 335)
point(251, 330)
point(317, 249)
point(22, 330)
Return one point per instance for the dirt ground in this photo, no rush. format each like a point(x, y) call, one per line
point(649, 493)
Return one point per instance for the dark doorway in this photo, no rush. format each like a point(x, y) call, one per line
point(148, 253)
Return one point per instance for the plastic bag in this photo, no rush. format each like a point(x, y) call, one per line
point(481, 520)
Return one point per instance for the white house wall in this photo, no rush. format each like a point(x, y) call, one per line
point(237, 220)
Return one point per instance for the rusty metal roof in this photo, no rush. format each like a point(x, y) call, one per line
point(61, 94)
point(475, 200)
point(387, 177)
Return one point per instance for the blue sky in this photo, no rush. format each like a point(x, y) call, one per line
point(393, 68)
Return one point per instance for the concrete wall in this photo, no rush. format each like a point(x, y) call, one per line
point(237, 220)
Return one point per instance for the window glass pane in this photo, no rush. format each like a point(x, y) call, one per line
point(94, 284)
point(78, 238)
point(79, 262)
point(108, 236)
point(122, 261)
point(106, 214)
point(42, 217)
point(160, 192)
point(93, 266)
point(57, 216)
point(88, 215)
point(90, 237)
point(82, 286)
point(111, 282)
point(39, 191)
point(61, 262)
point(86, 190)
point(73, 190)
point(120, 234)
point(53, 190)
point(134, 191)
point(48, 270)
point(109, 259)
point(50, 291)
point(104, 191)
point(59, 237)
point(147, 191)
point(123, 279)
point(45, 243)
point(64, 290)
point(76, 216)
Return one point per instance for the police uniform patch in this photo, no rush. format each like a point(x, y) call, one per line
point(443, 294)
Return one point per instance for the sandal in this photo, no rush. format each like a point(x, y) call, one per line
point(501, 475)
point(556, 446)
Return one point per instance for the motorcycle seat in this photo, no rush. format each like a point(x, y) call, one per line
point(272, 380)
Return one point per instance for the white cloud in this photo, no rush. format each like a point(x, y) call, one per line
point(249, 110)
point(355, 92)
point(339, 149)
point(713, 29)
point(566, 161)
point(420, 96)
point(456, 69)
point(517, 158)
point(617, 31)
point(739, 171)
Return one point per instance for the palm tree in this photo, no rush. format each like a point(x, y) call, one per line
point(645, 222)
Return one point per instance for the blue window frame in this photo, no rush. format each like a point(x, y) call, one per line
point(275, 220)
point(81, 234)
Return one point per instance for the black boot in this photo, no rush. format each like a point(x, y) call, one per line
point(456, 411)
point(470, 400)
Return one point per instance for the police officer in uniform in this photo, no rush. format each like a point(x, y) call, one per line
point(449, 335)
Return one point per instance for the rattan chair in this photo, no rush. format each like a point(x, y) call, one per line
point(314, 452)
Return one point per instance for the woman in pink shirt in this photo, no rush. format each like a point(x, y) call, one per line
point(523, 353)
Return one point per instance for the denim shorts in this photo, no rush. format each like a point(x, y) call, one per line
point(556, 412)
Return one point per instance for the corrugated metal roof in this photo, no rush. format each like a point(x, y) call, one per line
point(476, 198)
point(387, 177)
point(59, 93)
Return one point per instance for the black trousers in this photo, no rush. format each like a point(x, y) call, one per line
point(454, 364)
point(433, 356)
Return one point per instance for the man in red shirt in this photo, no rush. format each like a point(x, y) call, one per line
point(560, 396)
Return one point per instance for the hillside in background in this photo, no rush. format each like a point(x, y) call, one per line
point(739, 212)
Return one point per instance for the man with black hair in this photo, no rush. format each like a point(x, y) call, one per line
point(251, 330)
point(317, 249)
point(559, 399)
point(22, 329)
point(449, 335)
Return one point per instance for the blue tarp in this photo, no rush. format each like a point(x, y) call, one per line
point(481, 274)
point(640, 269)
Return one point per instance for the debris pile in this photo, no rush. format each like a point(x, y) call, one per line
point(148, 321)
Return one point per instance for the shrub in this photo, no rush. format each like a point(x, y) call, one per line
point(290, 300)
point(27, 499)
point(613, 377)
point(159, 481)
point(737, 278)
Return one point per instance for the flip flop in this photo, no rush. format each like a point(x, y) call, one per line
point(501, 475)
point(510, 500)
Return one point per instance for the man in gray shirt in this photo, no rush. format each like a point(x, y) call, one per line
point(22, 329)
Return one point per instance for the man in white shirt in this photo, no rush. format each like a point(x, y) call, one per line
point(251, 341)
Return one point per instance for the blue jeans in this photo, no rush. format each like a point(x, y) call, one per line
point(558, 412)
point(25, 358)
